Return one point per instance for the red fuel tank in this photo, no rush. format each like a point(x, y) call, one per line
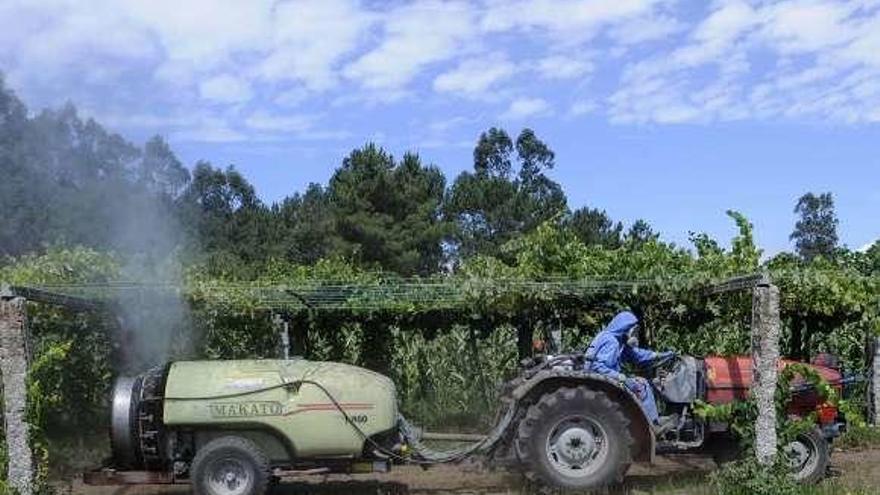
point(729, 379)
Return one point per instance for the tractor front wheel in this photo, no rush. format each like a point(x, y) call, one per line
point(574, 439)
point(808, 456)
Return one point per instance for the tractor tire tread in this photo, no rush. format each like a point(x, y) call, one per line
point(538, 412)
point(823, 450)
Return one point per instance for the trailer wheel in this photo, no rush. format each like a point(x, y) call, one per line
point(808, 456)
point(230, 466)
point(574, 439)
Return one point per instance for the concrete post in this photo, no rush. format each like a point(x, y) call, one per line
point(13, 366)
point(875, 382)
point(766, 326)
point(283, 326)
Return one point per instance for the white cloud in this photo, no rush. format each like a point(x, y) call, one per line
point(201, 33)
point(371, 98)
point(263, 121)
point(441, 126)
point(582, 107)
point(311, 37)
point(210, 134)
point(162, 123)
point(808, 26)
point(865, 48)
point(292, 97)
point(475, 76)
point(226, 89)
point(867, 246)
point(276, 41)
point(572, 20)
point(523, 108)
point(640, 61)
point(643, 29)
point(415, 36)
point(209, 129)
point(716, 34)
point(819, 69)
point(267, 126)
point(562, 67)
point(43, 43)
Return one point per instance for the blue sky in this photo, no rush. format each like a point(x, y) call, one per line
point(672, 111)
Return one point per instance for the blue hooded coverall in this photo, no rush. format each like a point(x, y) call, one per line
point(609, 349)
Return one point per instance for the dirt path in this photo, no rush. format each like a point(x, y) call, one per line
point(858, 469)
point(853, 469)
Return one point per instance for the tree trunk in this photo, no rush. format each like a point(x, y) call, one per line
point(14, 366)
point(765, 356)
point(524, 335)
point(376, 353)
point(796, 337)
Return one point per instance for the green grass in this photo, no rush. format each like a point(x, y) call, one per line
point(828, 487)
point(859, 437)
point(75, 452)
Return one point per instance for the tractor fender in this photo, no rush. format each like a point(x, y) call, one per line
point(639, 425)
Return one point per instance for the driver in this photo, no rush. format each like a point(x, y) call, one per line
point(617, 343)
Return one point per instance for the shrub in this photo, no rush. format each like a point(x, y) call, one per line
point(748, 477)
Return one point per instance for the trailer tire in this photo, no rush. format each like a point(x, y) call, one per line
point(574, 439)
point(230, 465)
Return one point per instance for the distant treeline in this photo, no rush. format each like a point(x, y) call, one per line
point(69, 181)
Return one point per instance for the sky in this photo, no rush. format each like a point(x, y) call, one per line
point(669, 110)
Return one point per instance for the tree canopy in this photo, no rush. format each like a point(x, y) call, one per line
point(69, 181)
point(495, 203)
point(388, 213)
point(815, 233)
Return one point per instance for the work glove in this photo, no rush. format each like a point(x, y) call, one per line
point(637, 387)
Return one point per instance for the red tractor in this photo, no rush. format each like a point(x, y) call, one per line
point(574, 429)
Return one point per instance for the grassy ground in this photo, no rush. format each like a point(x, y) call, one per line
point(701, 487)
point(854, 472)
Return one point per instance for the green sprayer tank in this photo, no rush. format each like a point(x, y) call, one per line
point(297, 414)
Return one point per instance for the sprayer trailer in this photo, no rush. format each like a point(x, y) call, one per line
point(233, 427)
point(229, 427)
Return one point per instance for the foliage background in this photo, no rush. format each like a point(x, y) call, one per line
point(448, 361)
point(83, 206)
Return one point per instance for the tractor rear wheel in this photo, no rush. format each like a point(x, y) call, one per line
point(230, 465)
point(574, 439)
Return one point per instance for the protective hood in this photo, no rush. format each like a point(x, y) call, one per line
point(621, 324)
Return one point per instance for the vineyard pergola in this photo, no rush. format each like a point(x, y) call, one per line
point(408, 296)
point(417, 298)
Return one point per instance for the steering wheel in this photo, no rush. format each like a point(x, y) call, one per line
point(660, 368)
point(662, 361)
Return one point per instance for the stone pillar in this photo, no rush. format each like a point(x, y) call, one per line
point(283, 326)
point(766, 326)
point(875, 382)
point(14, 367)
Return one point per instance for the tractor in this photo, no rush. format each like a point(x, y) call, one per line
point(578, 430)
point(233, 427)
